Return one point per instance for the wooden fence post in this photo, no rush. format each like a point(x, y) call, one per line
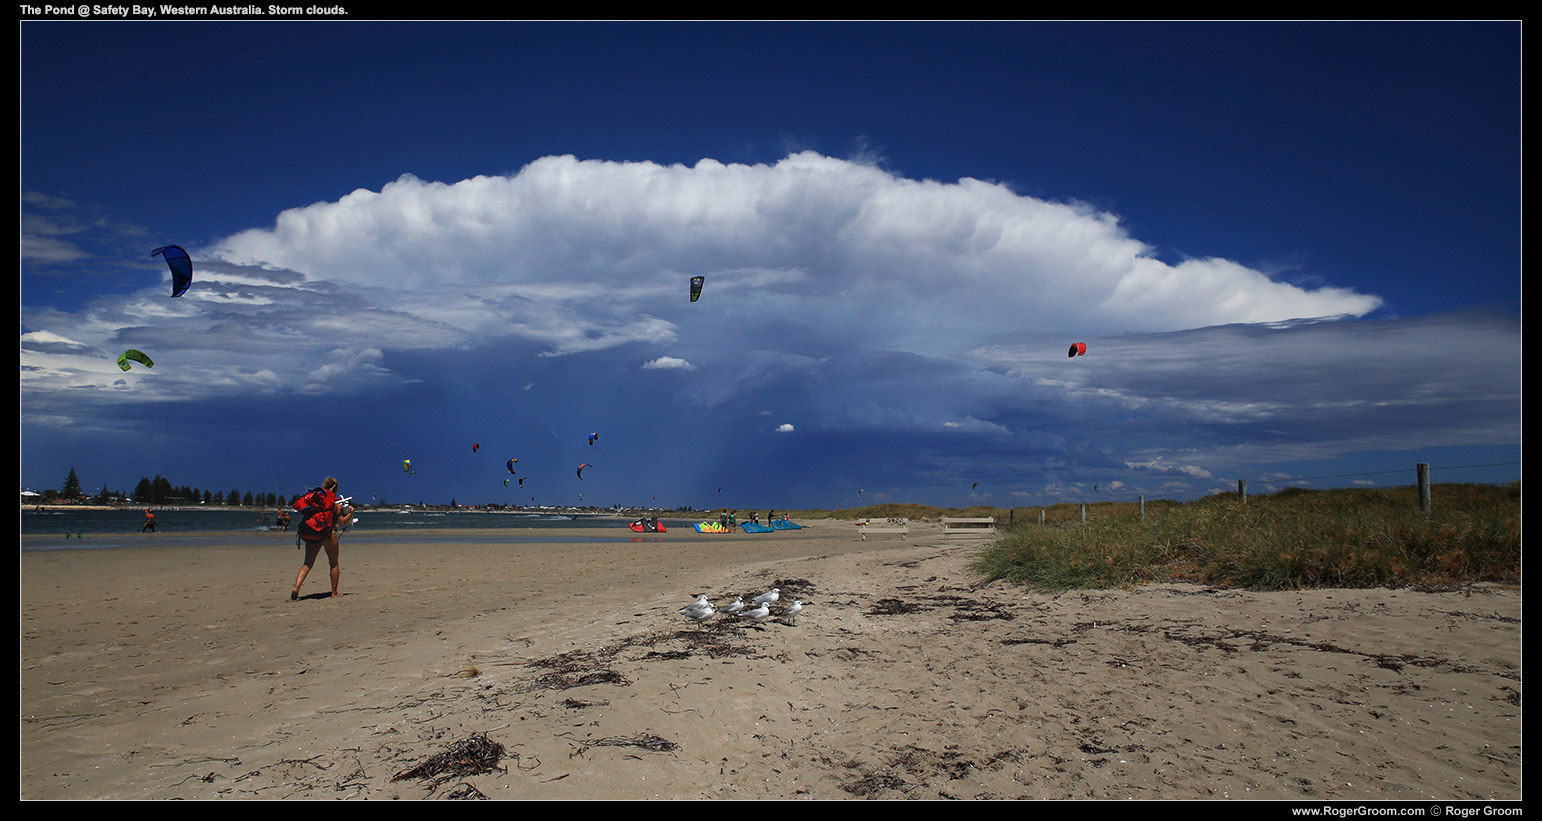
point(1242, 489)
point(1422, 471)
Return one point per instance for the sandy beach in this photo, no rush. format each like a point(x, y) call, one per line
point(184, 672)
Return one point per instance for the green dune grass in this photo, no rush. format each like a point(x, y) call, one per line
point(1292, 539)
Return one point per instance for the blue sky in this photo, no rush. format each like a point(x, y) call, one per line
point(1292, 249)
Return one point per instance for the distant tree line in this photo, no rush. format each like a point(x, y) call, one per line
point(158, 491)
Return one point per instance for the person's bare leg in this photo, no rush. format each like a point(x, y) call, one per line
point(332, 556)
point(312, 549)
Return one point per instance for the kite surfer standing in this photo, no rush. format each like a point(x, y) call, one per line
point(320, 516)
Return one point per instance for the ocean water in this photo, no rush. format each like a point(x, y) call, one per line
point(108, 528)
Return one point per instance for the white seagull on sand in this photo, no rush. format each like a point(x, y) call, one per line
point(765, 598)
point(699, 614)
point(758, 613)
point(794, 609)
point(730, 609)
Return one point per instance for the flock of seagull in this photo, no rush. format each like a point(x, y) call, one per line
point(757, 609)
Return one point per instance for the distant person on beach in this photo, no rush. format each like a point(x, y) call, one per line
point(326, 523)
point(149, 522)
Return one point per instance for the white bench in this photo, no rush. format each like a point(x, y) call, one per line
point(968, 528)
point(893, 526)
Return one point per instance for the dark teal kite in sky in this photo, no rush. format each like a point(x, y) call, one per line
point(181, 267)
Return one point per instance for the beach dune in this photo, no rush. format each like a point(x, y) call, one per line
point(185, 672)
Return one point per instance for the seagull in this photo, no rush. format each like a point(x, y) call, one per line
point(793, 610)
point(730, 609)
point(698, 614)
point(758, 613)
point(766, 598)
point(698, 604)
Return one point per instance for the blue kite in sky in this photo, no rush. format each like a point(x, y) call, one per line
point(181, 267)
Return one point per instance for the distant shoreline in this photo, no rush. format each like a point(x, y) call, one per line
point(379, 509)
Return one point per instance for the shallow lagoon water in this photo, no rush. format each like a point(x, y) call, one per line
point(53, 529)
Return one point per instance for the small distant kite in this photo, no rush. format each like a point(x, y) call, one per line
point(475, 446)
point(136, 356)
point(581, 470)
point(696, 283)
point(407, 466)
point(181, 267)
point(975, 485)
point(1077, 349)
point(511, 465)
point(592, 437)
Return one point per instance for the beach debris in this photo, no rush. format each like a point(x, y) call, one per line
point(561, 681)
point(472, 756)
point(892, 607)
point(646, 741)
point(877, 782)
point(134, 355)
point(181, 267)
point(465, 792)
point(575, 704)
point(769, 596)
point(570, 670)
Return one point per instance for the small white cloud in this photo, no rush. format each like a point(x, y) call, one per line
point(784, 428)
point(668, 363)
point(48, 341)
point(1160, 465)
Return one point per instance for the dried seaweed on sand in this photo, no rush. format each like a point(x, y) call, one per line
point(472, 756)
